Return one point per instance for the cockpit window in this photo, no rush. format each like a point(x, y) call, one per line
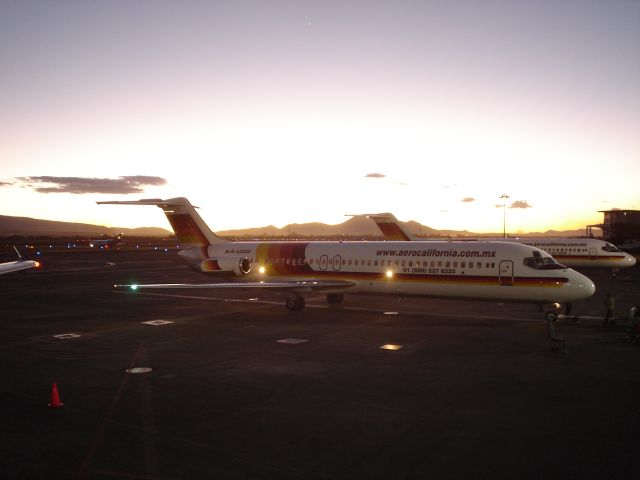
point(539, 262)
point(610, 248)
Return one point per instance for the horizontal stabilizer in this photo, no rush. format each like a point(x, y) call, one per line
point(188, 226)
point(147, 201)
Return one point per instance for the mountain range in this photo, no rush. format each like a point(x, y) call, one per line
point(353, 227)
point(25, 226)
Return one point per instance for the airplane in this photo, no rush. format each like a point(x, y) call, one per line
point(495, 271)
point(572, 252)
point(102, 243)
point(18, 265)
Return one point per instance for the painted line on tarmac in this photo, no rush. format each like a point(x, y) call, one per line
point(97, 440)
point(195, 297)
point(466, 316)
point(343, 308)
point(100, 266)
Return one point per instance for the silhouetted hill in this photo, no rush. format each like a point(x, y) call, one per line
point(37, 227)
point(361, 226)
point(353, 227)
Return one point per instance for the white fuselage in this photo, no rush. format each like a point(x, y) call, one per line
point(581, 252)
point(572, 252)
point(504, 271)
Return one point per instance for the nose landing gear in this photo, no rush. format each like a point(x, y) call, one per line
point(551, 315)
point(552, 311)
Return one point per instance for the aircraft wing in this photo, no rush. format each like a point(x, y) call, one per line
point(17, 266)
point(298, 286)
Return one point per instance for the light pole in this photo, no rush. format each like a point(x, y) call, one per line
point(504, 198)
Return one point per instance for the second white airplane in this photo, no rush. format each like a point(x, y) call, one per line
point(18, 265)
point(495, 271)
point(572, 252)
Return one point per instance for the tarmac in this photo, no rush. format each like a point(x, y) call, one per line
point(234, 386)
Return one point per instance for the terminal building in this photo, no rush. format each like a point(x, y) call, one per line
point(620, 227)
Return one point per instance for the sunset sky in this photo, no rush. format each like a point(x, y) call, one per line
point(272, 112)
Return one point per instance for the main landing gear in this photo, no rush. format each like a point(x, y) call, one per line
point(551, 315)
point(295, 302)
point(335, 298)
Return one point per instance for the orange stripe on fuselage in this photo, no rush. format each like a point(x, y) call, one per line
point(279, 270)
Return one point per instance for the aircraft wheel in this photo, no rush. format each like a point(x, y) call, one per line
point(299, 303)
point(291, 303)
point(335, 298)
point(295, 303)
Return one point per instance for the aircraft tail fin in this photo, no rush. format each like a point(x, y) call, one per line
point(390, 226)
point(185, 221)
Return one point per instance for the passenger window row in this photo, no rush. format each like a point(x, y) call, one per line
point(381, 262)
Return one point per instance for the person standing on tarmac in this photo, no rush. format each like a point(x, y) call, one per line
point(634, 316)
point(610, 303)
point(634, 319)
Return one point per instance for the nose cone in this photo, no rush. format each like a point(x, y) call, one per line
point(629, 260)
point(581, 286)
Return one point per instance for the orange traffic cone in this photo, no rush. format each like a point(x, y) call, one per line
point(55, 397)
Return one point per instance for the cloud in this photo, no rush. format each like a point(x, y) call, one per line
point(520, 204)
point(81, 185)
point(375, 175)
point(468, 200)
point(6, 184)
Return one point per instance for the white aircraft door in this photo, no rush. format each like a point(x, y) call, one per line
point(337, 260)
point(593, 253)
point(506, 272)
point(324, 260)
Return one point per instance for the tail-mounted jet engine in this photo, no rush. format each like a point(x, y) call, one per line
point(226, 267)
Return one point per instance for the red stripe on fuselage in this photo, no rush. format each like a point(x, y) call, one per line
point(286, 259)
point(589, 257)
point(405, 277)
